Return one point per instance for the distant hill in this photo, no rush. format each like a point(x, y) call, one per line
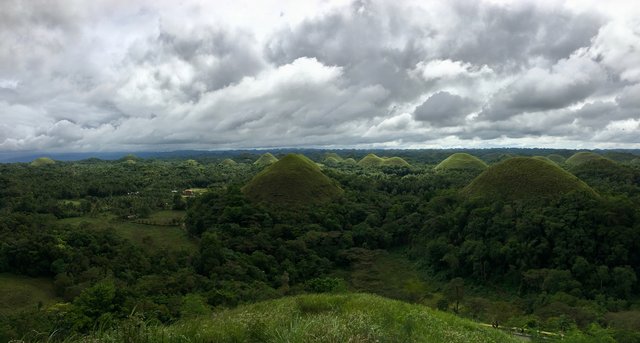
point(350, 161)
point(604, 174)
point(294, 181)
point(228, 162)
point(322, 318)
point(42, 161)
point(558, 159)
point(522, 178)
point(265, 160)
point(372, 160)
point(332, 156)
point(582, 157)
point(461, 161)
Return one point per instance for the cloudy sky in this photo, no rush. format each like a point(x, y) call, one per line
point(136, 75)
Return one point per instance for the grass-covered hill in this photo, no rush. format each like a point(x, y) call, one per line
point(544, 159)
point(332, 156)
point(583, 157)
point(294, 180)
point(265, 160)
point(461, 161)
point(319, 318)
point(605, 175)
point(42, 161)
point(350, 161)
point(522, 178)
point(372, 160)
point(558, 159)
point(228, 162)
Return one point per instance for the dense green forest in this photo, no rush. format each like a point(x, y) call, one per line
point(548, 245)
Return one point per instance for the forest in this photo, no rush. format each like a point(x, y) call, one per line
point(544, 241)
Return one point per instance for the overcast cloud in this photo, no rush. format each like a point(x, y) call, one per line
point(157, 75)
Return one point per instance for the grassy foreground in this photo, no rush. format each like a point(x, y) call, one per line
point(316, 318)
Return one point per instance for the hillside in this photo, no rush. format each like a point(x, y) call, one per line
point(580, 158)
point(461, 161)
point(558, 159)
point(292, 181)
point(19, 292)
point(544, 159)
point(321, 318)
point(350, 161)
point(332, 156)
point(265, 160)
point(372, 160)
point(228, 162)
point(522, 178)
point(42, 161)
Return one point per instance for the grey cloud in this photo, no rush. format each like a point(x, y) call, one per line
point(234, 58)
point(374, 43)
point(509, 35)
point(348, 76)
point(629, 98)
point(598, 114)
point(567, 82)
point(444, 109)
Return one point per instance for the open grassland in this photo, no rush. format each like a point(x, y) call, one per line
point(23, 293)
point(156, 232)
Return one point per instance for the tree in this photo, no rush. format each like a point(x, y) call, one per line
point(454, 292)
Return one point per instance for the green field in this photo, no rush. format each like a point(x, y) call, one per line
point(22, 293)
point(150, 235)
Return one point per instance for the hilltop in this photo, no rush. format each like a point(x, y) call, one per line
point(544, 159)
point(42, 161)
point(522, 178)
point(228, 162)
point(462, 161)
point(372, 160)
point(294, 180)
point(265, 160)
point(580, 158)
point(322, 318)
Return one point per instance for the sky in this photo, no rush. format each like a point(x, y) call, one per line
point(160, 75)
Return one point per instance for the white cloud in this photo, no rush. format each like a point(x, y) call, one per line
point(114, 75)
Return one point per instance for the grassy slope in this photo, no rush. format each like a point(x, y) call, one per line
point(266, 159)
point(461, 161)
point(524, 178)
point(21, 293)
point(556, 158)
point(42, 161)
point(228, 162)
point(323, 318)
point(293, 180)
point(332, 156)
point(395, 162)
point(544, 159)
point(149, 236)
point(372, 160)
point(581, 158)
